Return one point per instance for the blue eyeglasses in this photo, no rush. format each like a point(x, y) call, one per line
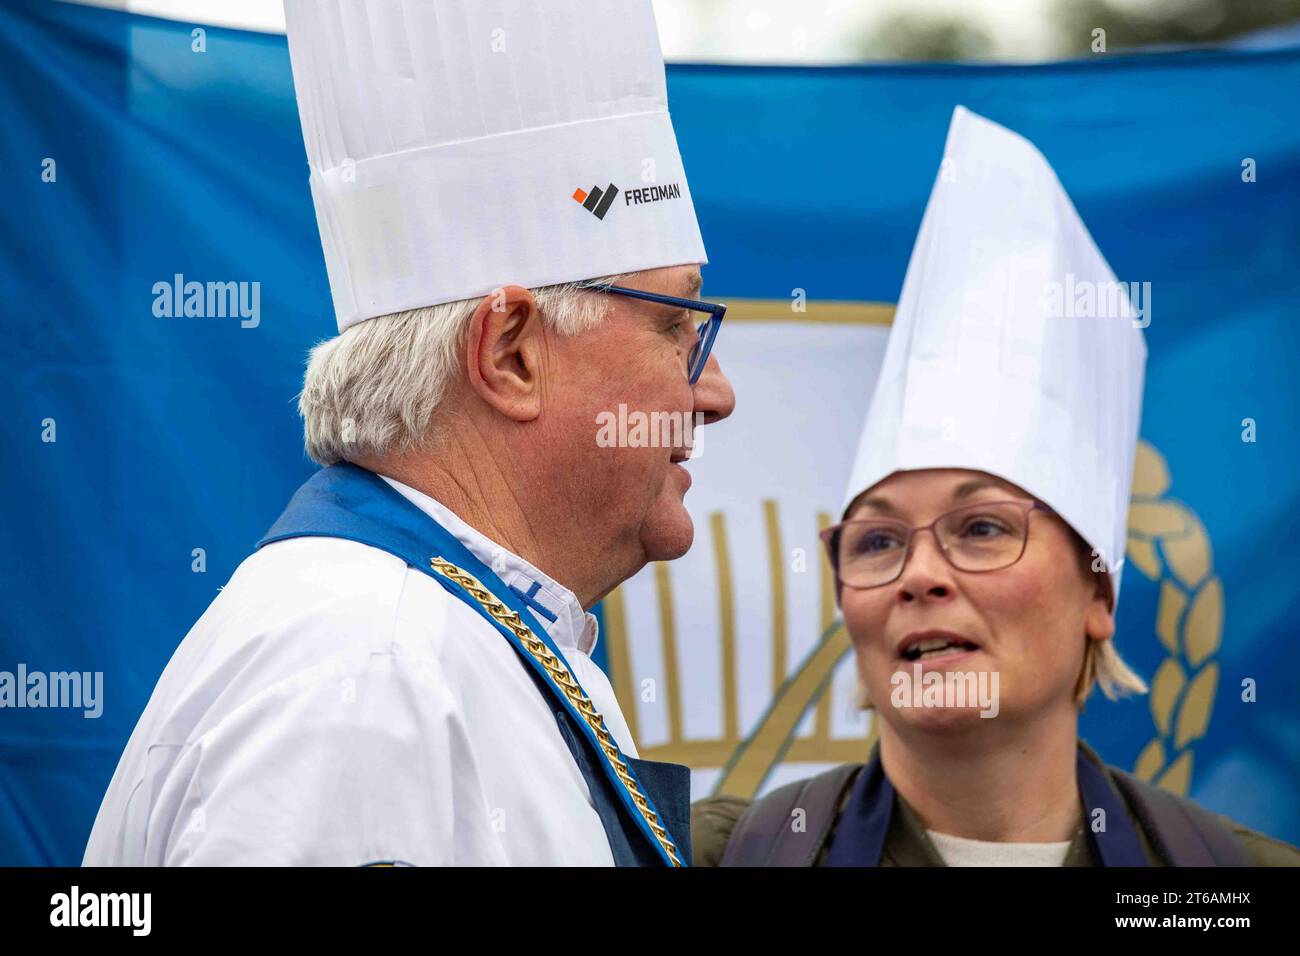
point(706, 331)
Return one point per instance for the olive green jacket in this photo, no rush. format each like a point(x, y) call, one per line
point(907, 843)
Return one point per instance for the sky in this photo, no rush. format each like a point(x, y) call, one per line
point(751, 31)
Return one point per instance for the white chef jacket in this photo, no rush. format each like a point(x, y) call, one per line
point(335, 706)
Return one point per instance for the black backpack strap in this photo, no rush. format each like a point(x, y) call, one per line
point(1183, 833)
point(765, 834)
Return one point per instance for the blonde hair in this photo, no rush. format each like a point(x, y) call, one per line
point(1104, 668)
point(371, 391)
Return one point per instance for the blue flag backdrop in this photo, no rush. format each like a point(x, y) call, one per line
point(144, 454)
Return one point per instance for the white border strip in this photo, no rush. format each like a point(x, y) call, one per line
point(261, 16)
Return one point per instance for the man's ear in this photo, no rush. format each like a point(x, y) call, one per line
point(503, 353)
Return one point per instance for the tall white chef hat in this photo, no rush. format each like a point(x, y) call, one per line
point(457, 145)
point(1013, 350)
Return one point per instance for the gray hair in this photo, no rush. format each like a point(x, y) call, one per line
point(371, 391)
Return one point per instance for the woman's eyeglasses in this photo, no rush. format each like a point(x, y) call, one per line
point(989, 536)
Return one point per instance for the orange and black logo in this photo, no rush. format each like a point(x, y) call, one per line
point(598, 201)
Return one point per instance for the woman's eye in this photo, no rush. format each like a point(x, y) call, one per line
point(873, 542)
point(983, 528)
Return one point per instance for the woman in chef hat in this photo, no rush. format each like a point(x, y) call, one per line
point(978, 560)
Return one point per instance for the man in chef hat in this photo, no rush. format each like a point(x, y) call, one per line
point(981, 548)
point(402, 673)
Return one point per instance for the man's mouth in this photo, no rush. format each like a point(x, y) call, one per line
point(678, 463)
point(923, 645)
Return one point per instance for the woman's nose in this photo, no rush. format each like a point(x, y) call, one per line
point(926, 572)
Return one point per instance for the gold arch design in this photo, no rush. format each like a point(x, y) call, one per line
point(746, 761)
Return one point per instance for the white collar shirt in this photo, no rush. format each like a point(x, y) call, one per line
point(335, 706)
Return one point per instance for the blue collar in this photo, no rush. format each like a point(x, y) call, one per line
point(344, 501)
point(864, 825)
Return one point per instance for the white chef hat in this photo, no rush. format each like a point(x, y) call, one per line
point(458, 145)
point(1013, 349)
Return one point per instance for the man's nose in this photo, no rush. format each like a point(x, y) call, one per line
point(714, 398)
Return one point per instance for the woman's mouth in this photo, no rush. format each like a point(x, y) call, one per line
point(935, 645)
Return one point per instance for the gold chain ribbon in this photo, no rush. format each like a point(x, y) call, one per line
point(560, 676)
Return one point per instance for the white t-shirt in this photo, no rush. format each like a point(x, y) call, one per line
point(960, 851)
